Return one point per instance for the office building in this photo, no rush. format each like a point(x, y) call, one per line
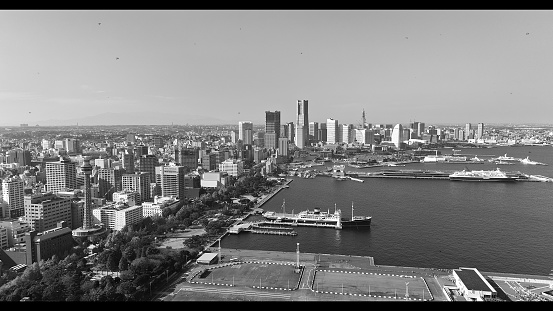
point(468, 134)
point(19, 156)
point(272, 128)
point(147, 163)
point(347, 133)
point(73, 146)
point(44, 210)
point(283, 146)
point(128, 197)
point(139, 182)
point(364, 136)
point(188, 157)
point(245, 132)
point(171, 180)
point(232, 167)
point(192, 186)
point(332, 131)
point(43, 245)
point(314, 132)
point(291, 132)
point(12, 195)
point(209, 161)
point(397, 135)
point(61, 176)
point(127, 161)
point(109, 181)
point(152, 209)
point(322, 132)
point(302, 124)
point(480, 131)
point(15, 230)
point(116, 216)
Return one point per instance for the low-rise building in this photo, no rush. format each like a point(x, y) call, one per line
point(472, 285)
point(116, 216)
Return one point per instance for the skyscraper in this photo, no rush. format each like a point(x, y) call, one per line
point(314, 132)
point(480, 131)
point(19, 156)
point(272, 126)
point(127, 161)
point(332, 131)
point(467, 131)
point(397, 135)
point(245, 132)
point(283, 146)
point(322, 132)
point(61, 176)
point(147, 163)
point(347, 133)
point(291, 132)
point(73, 146)
point(302, 124)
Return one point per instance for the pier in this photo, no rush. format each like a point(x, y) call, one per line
point(270, 195)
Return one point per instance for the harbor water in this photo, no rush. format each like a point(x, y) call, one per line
point(495, 227)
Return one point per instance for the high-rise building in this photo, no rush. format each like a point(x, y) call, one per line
point(322, 132)
point(89, 230)
point(188, 157)
point(147, 163)
point(61, 176)
point(283, 146)
point(364, 136)
point(19, 156)
point(41, 246)
point(72, 145)
point(44, 211)
point(272, 126)
point(12, 194)
point(480, 131)
point(171, 180)
point(46, 144)
point(332, 131)
point(245, 132)
point(314, 132)
point(109, 181)
point(209, 161)
point(348, 135)
point(397, 135)
point(291, 132)
point(141, 150)
point(139, 182)
point(468, 134)
point(127, 161)
point(270, 140)
point(302, 124)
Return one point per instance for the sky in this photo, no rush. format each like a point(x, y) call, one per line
point(97, 67)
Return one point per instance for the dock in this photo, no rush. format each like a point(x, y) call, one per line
point(270, 195)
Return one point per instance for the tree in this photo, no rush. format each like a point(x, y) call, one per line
point(54, 292)
point(123, 264)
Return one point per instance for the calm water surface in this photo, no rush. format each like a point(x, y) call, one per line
point(499, 227)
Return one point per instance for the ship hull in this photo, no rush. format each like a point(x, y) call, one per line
point(492, 179)
point(359, 224)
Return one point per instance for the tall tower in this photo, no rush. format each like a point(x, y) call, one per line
point(302, 124)
point(272, 129)
point(88, 230)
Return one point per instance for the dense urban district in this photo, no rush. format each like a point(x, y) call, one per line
point(87, 212)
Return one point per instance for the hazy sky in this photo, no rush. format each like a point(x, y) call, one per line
point(400, 66)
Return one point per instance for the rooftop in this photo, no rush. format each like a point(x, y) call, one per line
point(472, 280)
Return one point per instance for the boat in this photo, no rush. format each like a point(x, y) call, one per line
point(318, 218)
point(476, 159)
point(468, 175)
point(502, 162)
point(505, 158)
point(358, 222)
point(528, 161)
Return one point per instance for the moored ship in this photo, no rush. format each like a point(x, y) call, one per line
point(467, 175)
point(318, 218)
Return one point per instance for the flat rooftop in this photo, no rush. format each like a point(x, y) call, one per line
point(472, 280)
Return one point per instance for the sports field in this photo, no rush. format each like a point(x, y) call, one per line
point(376, 285)
point(258, 275)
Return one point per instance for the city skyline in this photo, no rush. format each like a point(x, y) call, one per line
point(105, 67)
